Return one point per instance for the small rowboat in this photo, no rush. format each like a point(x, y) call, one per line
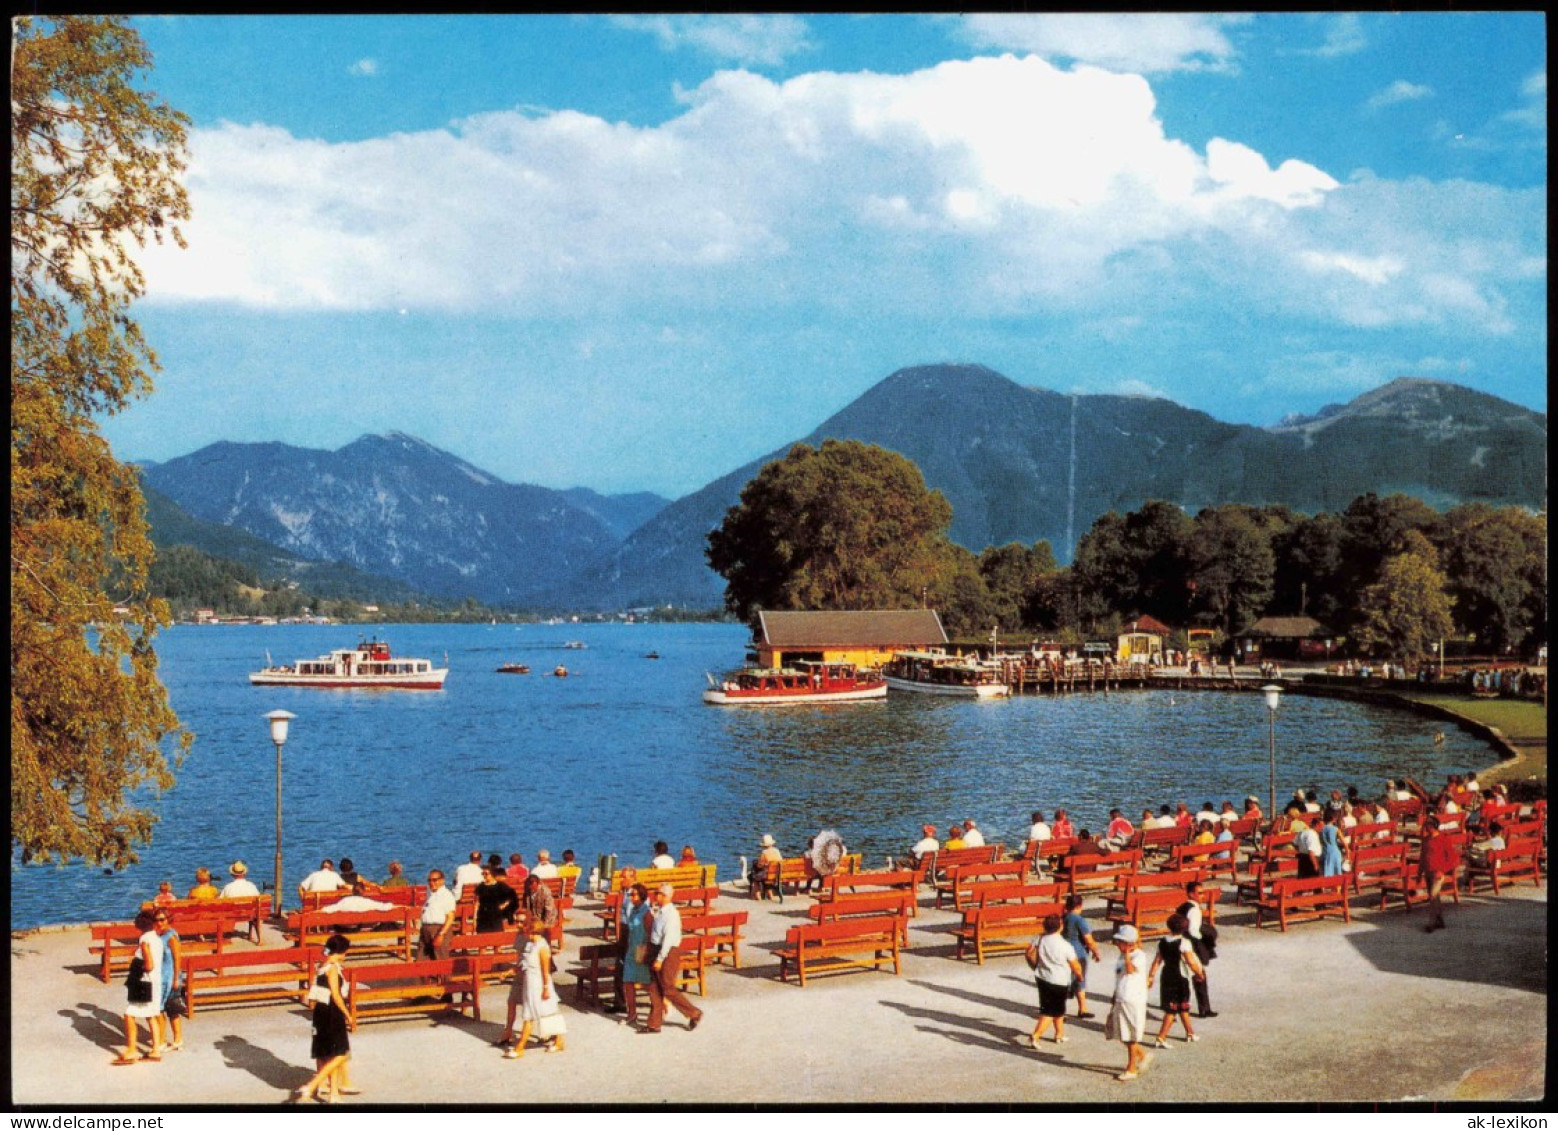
point(514, 669)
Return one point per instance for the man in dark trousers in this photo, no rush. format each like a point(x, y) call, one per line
point(664, 937)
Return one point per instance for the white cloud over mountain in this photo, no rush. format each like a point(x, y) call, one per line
point(987, 186)
point(749, 40)
point(1140, 42)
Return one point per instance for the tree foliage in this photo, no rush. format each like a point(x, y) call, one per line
point(843, 526)
point(1497, 558)
point(95, 168)
point(1408, 609)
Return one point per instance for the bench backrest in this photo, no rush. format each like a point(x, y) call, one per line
point(294, 958)
point(1520, 848)
point(1404, 810)
point(885, 903)
point(1141, 901)
point(1056, 847)
point(1006, 891)
point(378, 972)
point(1311, 885)
point(1158, 881)
point(1166, 836)
point(1514, 830)
point(1373, 831)
point(1127, 861)
point(413, 895)
point(1364, 855)
point(314, 924)
point(951, 858)
point(1243, 827)
point(685, 876)
point(1498, 810)
point(836, 883)
point(961, 875)
point(1008, 913)
point(1191, 852)
point(885, 926)
point(716, 921)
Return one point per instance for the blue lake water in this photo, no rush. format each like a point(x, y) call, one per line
point(623, 753)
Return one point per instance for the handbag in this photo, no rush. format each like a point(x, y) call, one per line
point(135, 982)
point(641, 953)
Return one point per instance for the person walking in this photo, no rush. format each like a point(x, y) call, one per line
point(1055, 968)
point(665, 935)
point(1331, 855)
point(537, 997)
point(1076, 931)
point(1127, 1020)
point(1178, 961)
point(143, 992)
point(439, 913)
point(1203, 940)
point(174, 1008)
point(331, 1047)
point(496, 902)
point(635, 956)
point(1437, 863)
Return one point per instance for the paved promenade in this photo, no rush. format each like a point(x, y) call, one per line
point(1374, 1010)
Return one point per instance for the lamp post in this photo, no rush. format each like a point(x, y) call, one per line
point(1273, 694)
point(278, 735)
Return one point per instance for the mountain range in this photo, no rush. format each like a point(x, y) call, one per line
point(1016, 463)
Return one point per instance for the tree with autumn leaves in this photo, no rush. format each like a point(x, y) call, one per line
point(96, 163)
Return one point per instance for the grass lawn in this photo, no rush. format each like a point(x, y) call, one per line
point(1523, 723)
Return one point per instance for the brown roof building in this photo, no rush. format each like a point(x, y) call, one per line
point(867, 637)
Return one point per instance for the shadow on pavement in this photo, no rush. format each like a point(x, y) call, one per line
point(1025, 1007)
point(1500, 942)
point(263, 1064)
point(94, 1023)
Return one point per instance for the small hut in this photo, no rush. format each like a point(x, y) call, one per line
point(1141, 640)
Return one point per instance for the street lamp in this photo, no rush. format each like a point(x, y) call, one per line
point(1273, 694)
point(278, 735)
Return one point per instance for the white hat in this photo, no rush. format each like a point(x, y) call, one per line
point(1125, 933)
point(768, 840)
point(238, 868)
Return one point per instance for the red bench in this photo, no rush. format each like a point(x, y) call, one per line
point(1208, 858)
point(1501, 866)
point(1102, 873)
point(696, 900)
point(491, 955)
point(1051, 852)
point(412, 895)
point(954, 857)
point(999, 891)
point(116, 943)
point(1311, 898)
point(398, 988)
point(867, 906)
point(373, 933)
point(837, 887)
point(243, 977)
point(242, 913)
point(1377, 864)
point(960, 877)
point(847, 944)
point(1149, 911)
point(1004, 927)
point(1376, 832)
point(721, 934)
point(1160, 839)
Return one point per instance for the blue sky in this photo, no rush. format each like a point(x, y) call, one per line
point(632, 253)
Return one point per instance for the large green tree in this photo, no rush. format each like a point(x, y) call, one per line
point(95, 172)
point(1408, 609)
point(1232, 565)
point(1496, 559)
point(1012, 574)
point(843, 526)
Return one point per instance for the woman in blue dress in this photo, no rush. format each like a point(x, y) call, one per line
point(635, 963)
point(1330, 847)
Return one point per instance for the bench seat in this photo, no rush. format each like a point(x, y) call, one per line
point(1002, 927)
point(1312, 898)
point(395, 989)
point(847, 944)
point(246, 977)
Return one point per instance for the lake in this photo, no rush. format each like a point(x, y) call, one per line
point(623, 753)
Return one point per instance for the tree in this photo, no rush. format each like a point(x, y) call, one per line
point(1135, 564)
point(1233, 566)
point(95, 168)
point(844, 526)
point(1495, 558)
point(1408, 609)
point(1309, 569)
point(1011, 573)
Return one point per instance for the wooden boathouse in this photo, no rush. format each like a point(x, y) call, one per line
point(867, 638)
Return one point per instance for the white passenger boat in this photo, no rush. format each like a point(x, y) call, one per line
point(936, 673)
point(370, 664)
point(809, 681)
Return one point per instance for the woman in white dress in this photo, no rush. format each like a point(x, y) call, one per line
point(538, 997)
point(1127, 1020)
point(145, 994)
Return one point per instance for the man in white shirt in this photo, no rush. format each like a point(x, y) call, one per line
point(1228, 814)
point(1207, 813)
point(972, 837)
point(665, 935)
point(467, 875)
point(1306, 843)
point(325, 879)
point(662, 856)
point(438, 918)
point(1039, 830)
point(544, 869)
point(240, 885)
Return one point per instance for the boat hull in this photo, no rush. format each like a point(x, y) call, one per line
point(957, 690)
point(421, 681)
point(766, 698)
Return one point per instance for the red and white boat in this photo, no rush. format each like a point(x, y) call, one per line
point(810, 681)
point(370, 664)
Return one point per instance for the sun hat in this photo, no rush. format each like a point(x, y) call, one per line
point(929, 830)
point(768, 840)
point(1125, 933)
point(239, 868)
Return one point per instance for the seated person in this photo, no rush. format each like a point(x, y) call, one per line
point(358, 900)
point(1207, 813)
point(164, 894)
point(240, 884)
point(1062, 827)
point(1204, 834)
point(1085, 846)
point(764, 875)
point(688, 856)
point(972, 837)
point(1229, 814)
point(1479, 852)
point(1039, 830)
point(926, 844)
point(569, 866)
point(663, 858)
point(544, 869)
point(204, 888)
point(348, 872)
point(955, 838)
point(1118, 834)
point(396, 877)
point(326, 879)
point(517, 871)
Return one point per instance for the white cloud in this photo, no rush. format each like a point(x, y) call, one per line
point(1133, 387)
point(1351, 371)
point(1532, 110)
point(1343, 36)
point(992, 186)
point(1143, 43)
point(364, 68)
point(753, 41)
point(1399, 91)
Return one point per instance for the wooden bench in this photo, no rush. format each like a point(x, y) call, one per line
point(1373, 832)
point(1159, 840)
point(836, 887)
point(1244, 829)
point(846, 944)
point(596, 966)
point(991, 892)
point(1410, 885)
point(696, 900)
point(721, 934)
point(1051, 852)
point(935, 867)
point(244, 977)
point(1003, 927)
point(1376, 864)
point(1028, 856)
point(798, 873)
point(1149, 911)
point(391, 933)
point(1257, 882)
point(115, 944)
point(1102, 873)
point(398, 988)
point(867, 905)
point(1405, 812)
point(1207, 858)
point(685, 876)
point(1312, 898)
point(960, 877)
point(1501, 866)
point(491, 954)
point(1151, 881)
